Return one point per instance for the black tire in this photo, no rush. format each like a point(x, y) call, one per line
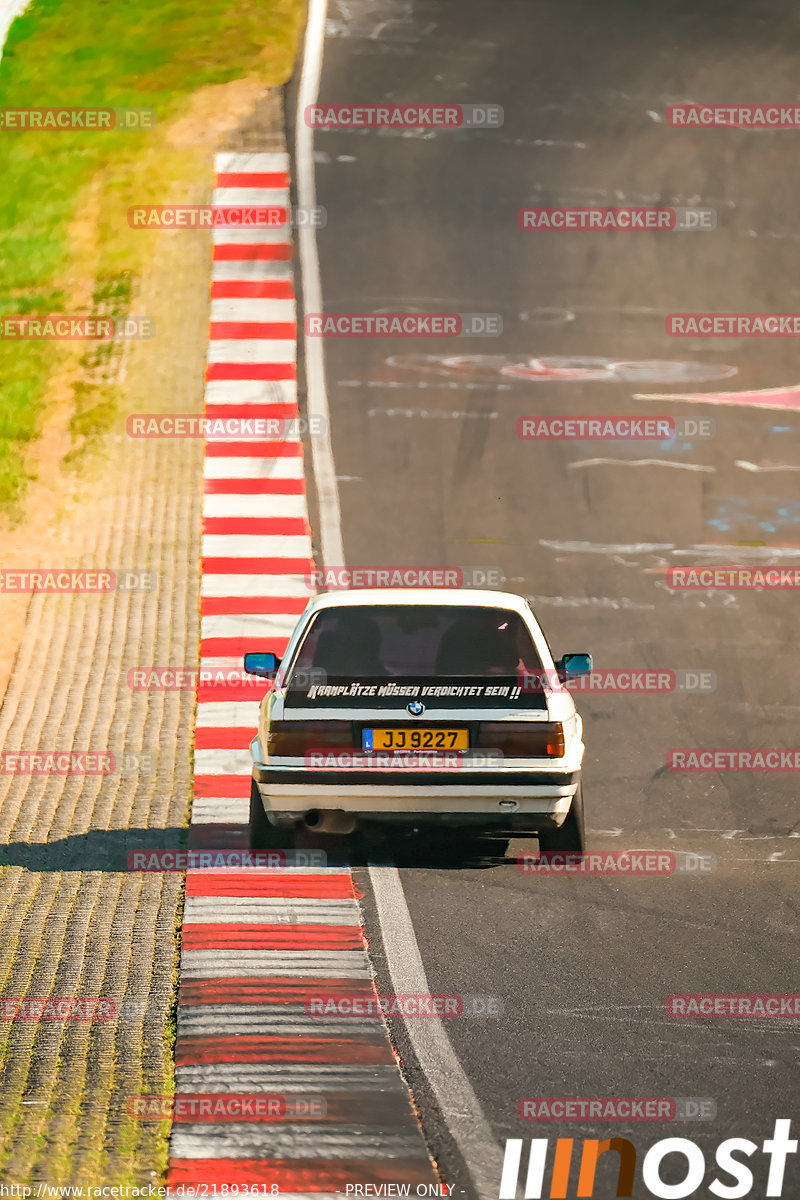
point(263, 834)
point(571, 837)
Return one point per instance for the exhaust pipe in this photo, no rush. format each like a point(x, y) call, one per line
point(329, 820)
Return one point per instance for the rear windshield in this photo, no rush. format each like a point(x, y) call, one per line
point(425, 641)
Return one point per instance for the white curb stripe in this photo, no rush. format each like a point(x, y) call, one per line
point(241, 625)
point(244, 308)
point(254, 468)
point(267, 545)
point(222, 762)
point(255, 585)
point(225, 504)
point(243, 350)
point(251, 391)
point(288, 964)
point(249, 270)
point(255, 163)
point(271, 909)
point(220, 714)
point(287, 1141)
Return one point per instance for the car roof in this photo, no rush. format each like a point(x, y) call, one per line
point(446, 597)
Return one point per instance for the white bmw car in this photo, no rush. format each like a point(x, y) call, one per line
point(417, 706)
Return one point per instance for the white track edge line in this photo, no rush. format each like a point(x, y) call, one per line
point(439, 1063)
point(317, 396)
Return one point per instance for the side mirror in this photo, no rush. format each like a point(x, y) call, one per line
point(264, 665)
point(570, 666)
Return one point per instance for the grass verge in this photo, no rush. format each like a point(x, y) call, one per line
point(63, 206)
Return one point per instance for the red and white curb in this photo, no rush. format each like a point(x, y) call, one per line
point(259, 944)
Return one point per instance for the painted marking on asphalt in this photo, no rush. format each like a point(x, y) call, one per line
point(748, 466)
point(638, 462)
point(332, 548)
point(786, 398)
point(607, 547)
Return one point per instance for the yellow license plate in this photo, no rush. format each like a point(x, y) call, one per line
point(418, 738)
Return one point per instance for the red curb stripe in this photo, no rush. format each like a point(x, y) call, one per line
point(269, 371)
point(250, 289)
point(254, 449)
point(300, 1175)
point(253, 251)
point(237, 647)
point(258, 566)
point(223, 787)
point(230, 330)
point(256, 179)
point(356, 1050)
point(224, 737)
point(216, 606)
point(232, 935)
point(271, 990)
point(256, 409)
point(287, 525)
point(254, 487)
point(280, 884)
point(208, 693)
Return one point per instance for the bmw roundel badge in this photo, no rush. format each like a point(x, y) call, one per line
point(416, 708)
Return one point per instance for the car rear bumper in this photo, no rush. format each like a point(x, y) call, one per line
point(497, 795)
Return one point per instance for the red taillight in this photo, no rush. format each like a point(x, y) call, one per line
point(518, 739)
point(293, 739)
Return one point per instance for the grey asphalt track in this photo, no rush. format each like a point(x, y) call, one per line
point(432, 472)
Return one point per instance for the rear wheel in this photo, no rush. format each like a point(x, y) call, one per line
point(263, 834)
point(571, 836)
